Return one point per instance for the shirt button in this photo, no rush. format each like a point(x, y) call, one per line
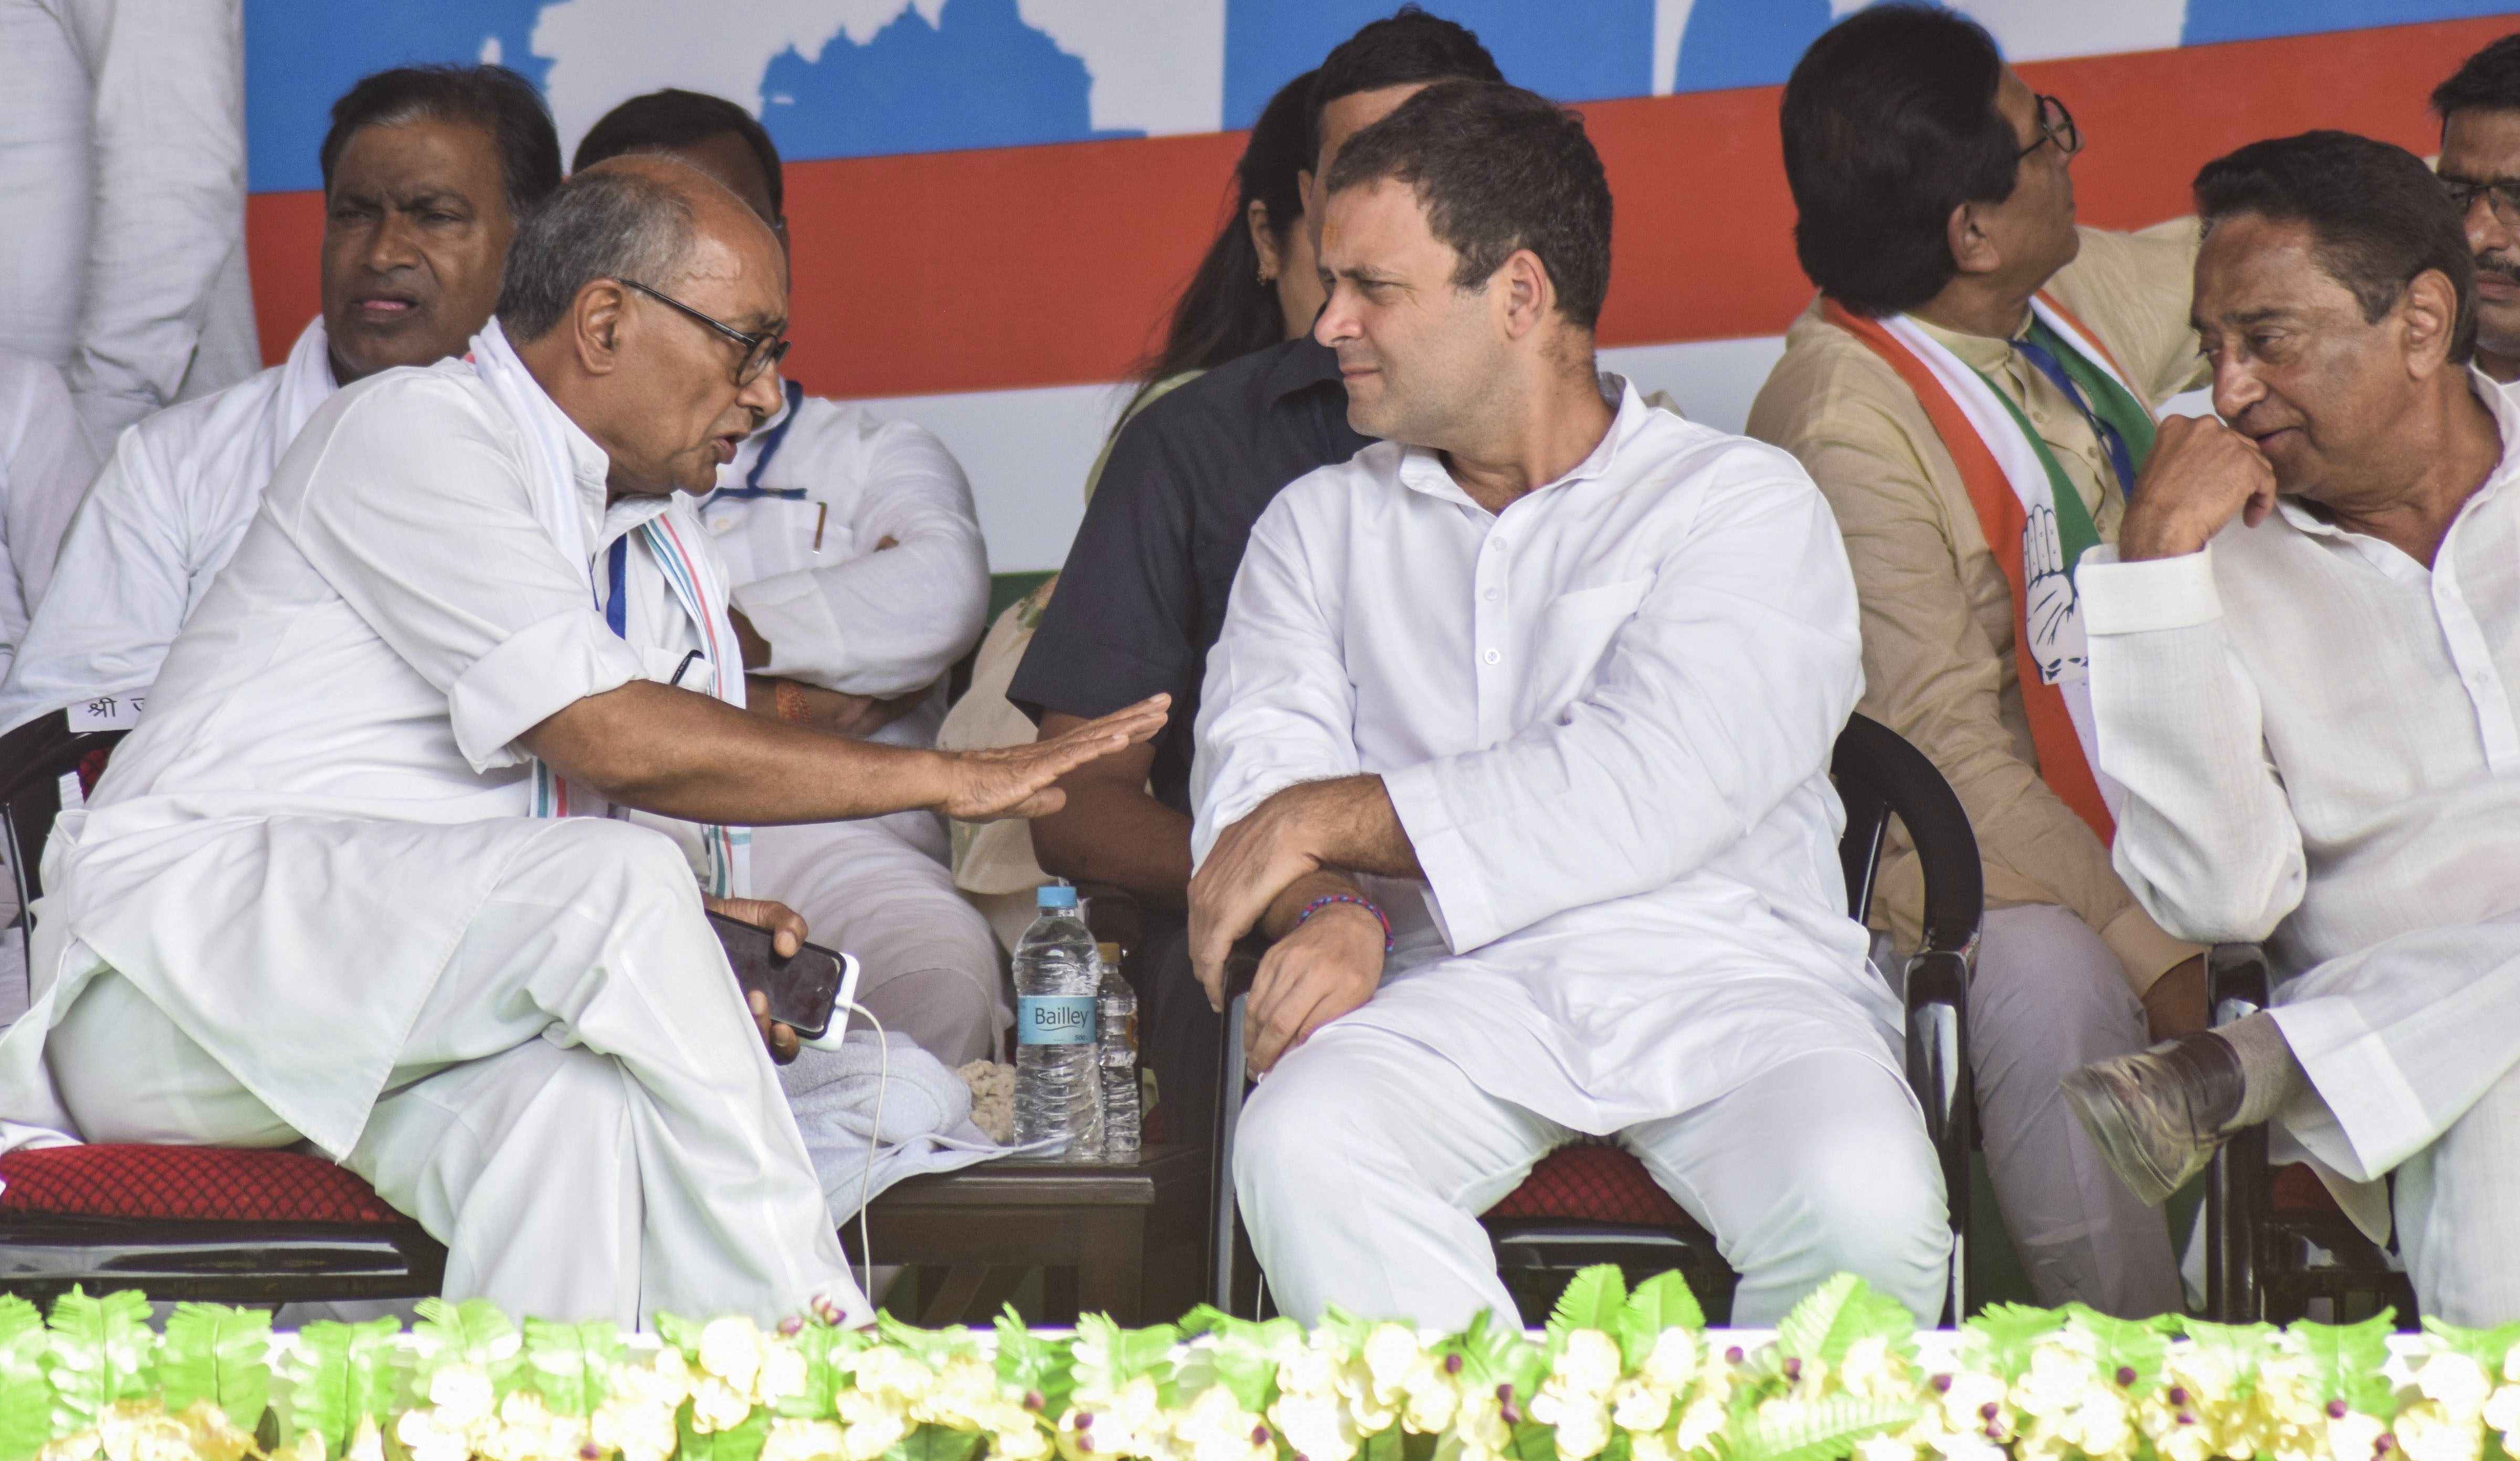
point(1489, 595)
point(1496, 545)
point(1492, 656)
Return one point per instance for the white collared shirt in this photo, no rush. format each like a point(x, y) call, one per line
point(44, 467)
point(1604, 716)
point(2317, 732)
point(799, 546)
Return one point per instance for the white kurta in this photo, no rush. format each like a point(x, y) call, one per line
point(798, 517)
point(2319, 745)
point(327, 794)
point(44, 467)
point(1605, 716)
point(122, 185)
point(161, 519)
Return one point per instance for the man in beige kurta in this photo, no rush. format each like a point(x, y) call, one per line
point(2066, 952)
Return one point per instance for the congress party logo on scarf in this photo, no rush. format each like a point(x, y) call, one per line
point(2033, 517)
point(696, 583)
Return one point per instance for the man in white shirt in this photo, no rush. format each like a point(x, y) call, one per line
point(44, 467)
point(859, 578)
point(122, 181)
point(356, 879)
point(2302, 661)
point(426, 171)
point(1517, 741)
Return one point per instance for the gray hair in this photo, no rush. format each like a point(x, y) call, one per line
point(600, 225)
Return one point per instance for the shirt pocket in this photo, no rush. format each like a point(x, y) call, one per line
point(1573, 636)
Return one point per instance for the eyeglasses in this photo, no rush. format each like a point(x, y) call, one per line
point(2503, 199)
point(2056, 125)
point(760, 352)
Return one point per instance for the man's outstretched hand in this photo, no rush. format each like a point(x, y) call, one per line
point(1016, 781)
point(786, 935)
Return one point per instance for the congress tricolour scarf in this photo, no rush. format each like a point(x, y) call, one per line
point(2033, 517)
point(695, 585)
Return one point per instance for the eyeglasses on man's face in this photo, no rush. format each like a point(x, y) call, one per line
point(2056, 125)
point(760, 352)
point(2502, 197)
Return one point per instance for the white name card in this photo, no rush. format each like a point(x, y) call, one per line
point(108, 712)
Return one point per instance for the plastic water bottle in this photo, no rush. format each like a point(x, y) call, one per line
point(1058, 970)
point(1115, 1046)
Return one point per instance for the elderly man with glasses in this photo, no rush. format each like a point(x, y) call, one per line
point(2479, 107)
point(1973, 391)
point(407, 860)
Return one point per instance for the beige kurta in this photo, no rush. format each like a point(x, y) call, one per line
point(1938, 616)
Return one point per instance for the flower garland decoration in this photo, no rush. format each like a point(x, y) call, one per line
point(1616, 1376)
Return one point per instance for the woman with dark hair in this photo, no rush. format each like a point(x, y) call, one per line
point(1257, 285)
point(1255, 288)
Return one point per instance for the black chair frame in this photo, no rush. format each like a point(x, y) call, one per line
point(42, 1255)
point(2263, 1263)
point(1879, 775)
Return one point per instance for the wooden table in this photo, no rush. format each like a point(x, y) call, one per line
point(1124, 1240)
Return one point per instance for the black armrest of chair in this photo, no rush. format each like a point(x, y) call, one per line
point(2236, 1197)
point(1240, 967)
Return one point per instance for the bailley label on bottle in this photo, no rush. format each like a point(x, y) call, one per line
point(1054, 1020)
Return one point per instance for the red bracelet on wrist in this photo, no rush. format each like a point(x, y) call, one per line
point(1326, 898)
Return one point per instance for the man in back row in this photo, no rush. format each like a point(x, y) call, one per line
point(1144, 591)
point(427, 171)
point(2479, 107)
point(1517, 741)
point(857, 578)
point(1973, 391)
point(472, 616)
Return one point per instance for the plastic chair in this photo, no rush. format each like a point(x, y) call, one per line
point(1591, 1203)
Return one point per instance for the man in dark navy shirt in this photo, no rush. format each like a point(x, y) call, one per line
point(1142, 594)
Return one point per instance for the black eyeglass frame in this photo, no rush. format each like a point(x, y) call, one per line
point(2502, 197)
point(2061, 131)
point(760, 352)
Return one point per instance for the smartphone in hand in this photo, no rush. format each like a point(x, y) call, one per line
point(800, 990)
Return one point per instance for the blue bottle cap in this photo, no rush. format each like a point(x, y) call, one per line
point(1056, 896)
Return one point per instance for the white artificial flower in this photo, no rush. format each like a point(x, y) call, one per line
point(2430, 1431)
point(718, 1405)
point(461, 1393)
point(1316, 1425)
point(730, 1351)
point(367, 1442)
point(2458, 1383)
point(1874, 1371)
point(2353, 1435)
point(793, 1440)
point(1216, 1428)
point(428, 1438)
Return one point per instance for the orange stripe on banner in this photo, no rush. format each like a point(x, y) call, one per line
point(1052, 265)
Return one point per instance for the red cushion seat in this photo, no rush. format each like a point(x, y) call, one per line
point(1599, 1183)
point(199, 1184)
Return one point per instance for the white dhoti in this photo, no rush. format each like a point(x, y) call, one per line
point(580, 1109)
point(2410, 1047)
point(882, 889)
point(1364, 1159)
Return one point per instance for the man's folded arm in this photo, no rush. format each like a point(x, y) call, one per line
point(1722, 696)
point(2206, 836)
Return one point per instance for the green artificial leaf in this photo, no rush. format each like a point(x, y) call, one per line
point(2487, 1346)
point(1240, 1354)
point(567, 1363)
point(743, 1443)
point(1823, 1430)
point(2123, 1347)
point(1380, 1446)
point(1832, 1317)
point(220, 1354)
point(1494, 1353)
point(681, 1333)
point(1999, 1336)
point(1592, 1299)
point(99, 1351)
point(1662, 1302)
point(476, 1330)
point(337, 1375)
point(1031, 1366)
point(932, 1345)
point(931, 1442)
point(1109, 1356)
point(1532, 1442)
point(25, 1396)
point(2241, 1348)
point(2345, 1361)
point(823, 1346)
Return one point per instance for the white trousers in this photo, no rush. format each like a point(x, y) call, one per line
point(2047, 999)
point(882, 889)
point(1363, 1161)
point(2409, 1046)
point(582, 1110)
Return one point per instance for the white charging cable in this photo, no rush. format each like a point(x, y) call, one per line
point(834, 1035)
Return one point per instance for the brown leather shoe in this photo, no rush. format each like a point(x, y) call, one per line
point(2158, 1115)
